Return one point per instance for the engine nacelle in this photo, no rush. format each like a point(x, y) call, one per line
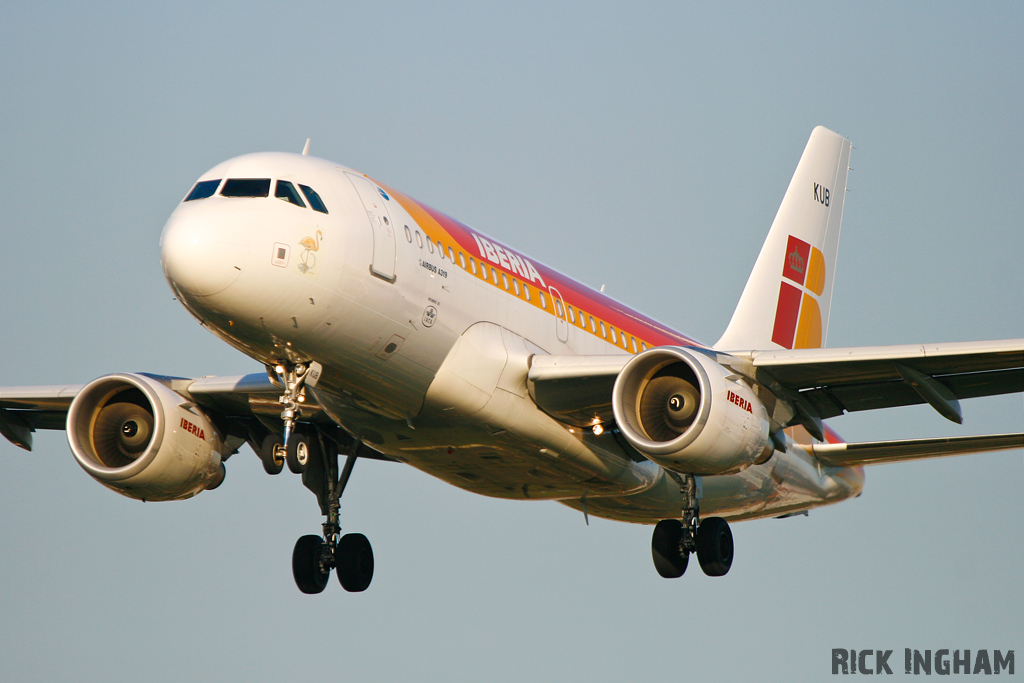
point(134, 435)
point(689, 414)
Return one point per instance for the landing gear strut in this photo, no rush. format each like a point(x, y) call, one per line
point(315, 556)
point(292, 377)
point(674, 540)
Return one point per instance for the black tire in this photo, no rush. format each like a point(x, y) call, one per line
point(302, 446)
point(666, 548)
point(268, 449)
point(714, 546)
point(310, 575)
point(354, 561)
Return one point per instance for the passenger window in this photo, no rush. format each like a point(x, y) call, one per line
point(451, 254)
point(572, 316)
point(558, 308)
point(615, 339)
point(504, 281)
point(593, 325)
point(287, 192)
point(543, 300)
point(246, 187)
point(515, 286)
point(462, 260)
point(430, 244)
point(494, 276)
point(202, 190)
point(314, 199)
point(408, 235)
point(526, 291)
point(419, 239)
point(604, 332)
point(472, 265)
point(633, 342)
point(643, 345)
point(440, 249)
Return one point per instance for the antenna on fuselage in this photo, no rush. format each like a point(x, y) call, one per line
point(305, 148)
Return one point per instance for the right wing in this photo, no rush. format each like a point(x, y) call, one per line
point(246, 398)
point(244, 407)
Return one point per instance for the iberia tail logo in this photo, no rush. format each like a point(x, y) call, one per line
point(798, 316)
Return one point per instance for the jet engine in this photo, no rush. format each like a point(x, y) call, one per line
point(689, 414)
point(138, 437)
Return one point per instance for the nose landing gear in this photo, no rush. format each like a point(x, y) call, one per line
point(292, 377)
point(301, 448)
point(674, 540)
point(351, 555)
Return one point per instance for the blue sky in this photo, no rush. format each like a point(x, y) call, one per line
point(645, 147)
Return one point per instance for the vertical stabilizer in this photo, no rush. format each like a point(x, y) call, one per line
point(786, 301)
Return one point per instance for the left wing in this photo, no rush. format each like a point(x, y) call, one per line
point(841, 380)
point(822, 382)
point(813, 384)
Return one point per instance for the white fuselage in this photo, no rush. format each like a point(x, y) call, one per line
point(425, 345)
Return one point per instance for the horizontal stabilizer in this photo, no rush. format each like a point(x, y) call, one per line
point(879, 452)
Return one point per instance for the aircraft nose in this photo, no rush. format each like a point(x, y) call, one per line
point(203, 255)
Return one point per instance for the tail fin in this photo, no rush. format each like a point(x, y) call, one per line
point(787, 298)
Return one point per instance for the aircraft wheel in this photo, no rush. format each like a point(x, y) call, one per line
point(301, 447)
point(270, 455)
point(666, 548)
point(310, 574)
point(714, 546)
point(354, 561)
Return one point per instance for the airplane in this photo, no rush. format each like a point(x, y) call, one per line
point(388, 330)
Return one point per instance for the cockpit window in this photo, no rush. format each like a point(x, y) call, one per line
point(203, 189)
point(286, 191)
point(246, 187)
point(314, 199)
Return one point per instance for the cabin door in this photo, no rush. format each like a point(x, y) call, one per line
point(561, 321)
point(375, 202)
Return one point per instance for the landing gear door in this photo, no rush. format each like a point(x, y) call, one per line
point(561, 322)
point(375, 203)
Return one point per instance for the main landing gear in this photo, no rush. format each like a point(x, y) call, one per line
point(674, 540)
point(350, 556)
